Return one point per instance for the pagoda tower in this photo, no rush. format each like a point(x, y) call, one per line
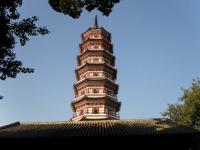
point(96, 89)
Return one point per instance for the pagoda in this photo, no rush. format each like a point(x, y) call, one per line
point(96, 88)
point(96, 120)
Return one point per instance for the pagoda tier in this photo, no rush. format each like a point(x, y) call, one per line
point(95, 107)
point(96, 44)
point(96, 85)
point(95, 70)
point(98, 56)
point(96, 33)
point(96, 89)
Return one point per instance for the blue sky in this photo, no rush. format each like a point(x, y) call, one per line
point(157, 49)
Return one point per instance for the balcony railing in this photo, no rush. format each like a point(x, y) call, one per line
point(97, 94)
point(114, 115)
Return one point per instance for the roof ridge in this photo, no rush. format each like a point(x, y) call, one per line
point(44, 122)
point(10, 125)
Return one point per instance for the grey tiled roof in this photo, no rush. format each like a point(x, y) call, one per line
point(132, 127)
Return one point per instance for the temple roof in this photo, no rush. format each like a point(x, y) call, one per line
point(133, 127)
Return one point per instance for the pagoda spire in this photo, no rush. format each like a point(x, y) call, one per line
point(96, 22)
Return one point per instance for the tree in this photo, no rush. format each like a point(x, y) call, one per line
point(187, 112)
point(74, 8)
point(13, 30)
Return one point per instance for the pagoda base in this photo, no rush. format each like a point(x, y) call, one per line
point(94, 117)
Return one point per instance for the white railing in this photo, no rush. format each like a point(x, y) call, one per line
point(114, 115)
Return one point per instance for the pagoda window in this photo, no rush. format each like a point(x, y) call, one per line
point(100, 59)
point(83, 62)
point(96, 59)
point(90, 91)
point(87, 74)
point(100, 90)
point(81, 112)
point(95, 110)
point(96, 46)
point(80, 93)
point(95, 91)
point(89, 110)
point(86, 110)
point(83, 76)
point(83, 50)
point(96, 35)
point(96, 74)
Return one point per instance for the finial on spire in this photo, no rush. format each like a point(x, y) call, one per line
point(96, 22)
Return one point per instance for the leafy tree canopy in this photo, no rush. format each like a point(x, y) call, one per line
point(187, 112)
point(74, 8)
point(13, 30)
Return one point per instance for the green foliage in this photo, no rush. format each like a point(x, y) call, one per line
point(13, 30)
point(187, 112)
point(74, 8)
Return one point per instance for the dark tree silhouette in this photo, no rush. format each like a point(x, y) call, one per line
point(13, 30)
point(74, 8)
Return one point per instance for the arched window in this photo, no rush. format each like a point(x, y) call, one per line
point(81, 112)
point(96, 91)
point(82, 92)
point(96, 59)
point(96, 74)
point(95, 111)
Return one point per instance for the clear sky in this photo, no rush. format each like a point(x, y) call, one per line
point(157, 49)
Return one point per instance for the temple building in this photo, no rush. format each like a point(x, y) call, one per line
point(96, 122)
point(96, 89)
